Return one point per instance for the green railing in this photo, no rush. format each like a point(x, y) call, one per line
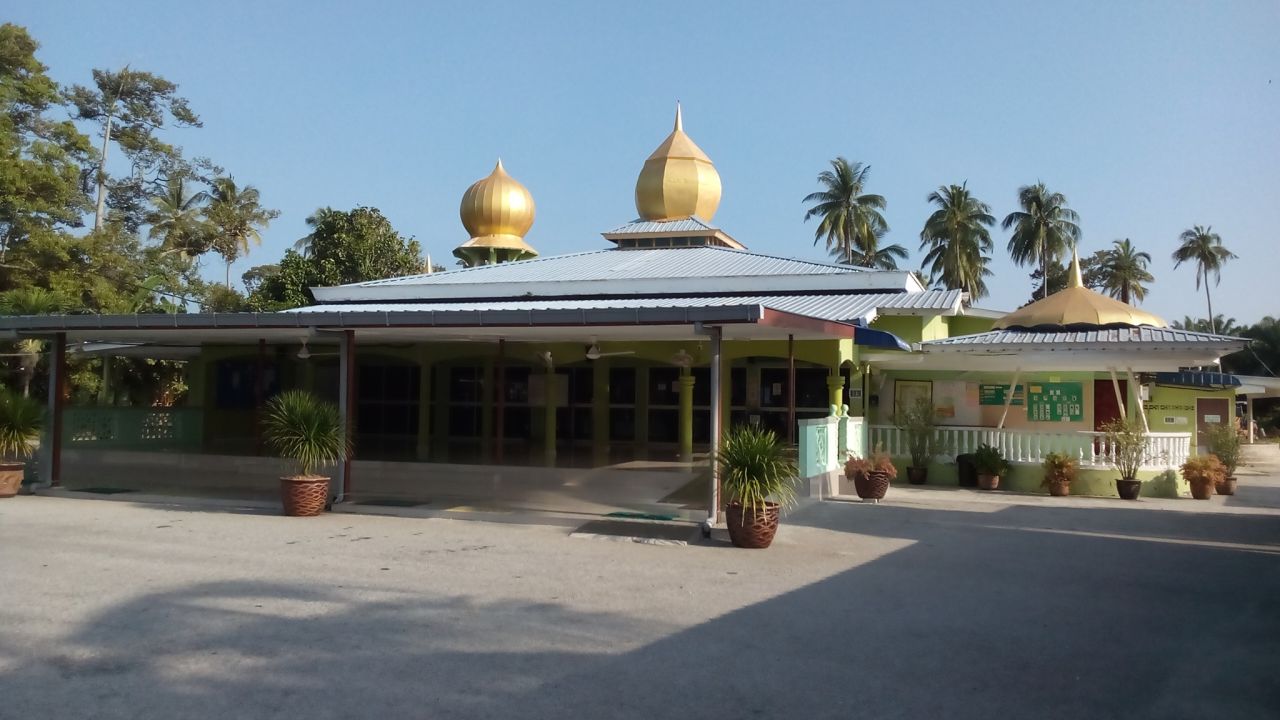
point(133, 428)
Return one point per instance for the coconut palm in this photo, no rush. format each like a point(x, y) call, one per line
point(1124, 270)
point(849, 219)
point(303, 244)
point(1043, 230)
point(176, 221)
point(236, 216)
point(1202, 246)
point(880, 258)
point(958, 241)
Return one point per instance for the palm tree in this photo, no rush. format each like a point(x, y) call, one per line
point(1220, 324)
point(1124, 270)
point(236, 216)
point(1043, 230)
point(850, 219)
point(30, 301)
point(1202, 246)
point(880, 258)
point(175, 219)
point(303, 244)
point(958, 240)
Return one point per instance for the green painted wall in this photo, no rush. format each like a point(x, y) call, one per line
point(968, 325)
point(1173, 409)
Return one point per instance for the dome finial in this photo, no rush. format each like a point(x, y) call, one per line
point(678, 180)
point(497, 211)
point(499, 165)
point(679, 120)
point(1074, 278)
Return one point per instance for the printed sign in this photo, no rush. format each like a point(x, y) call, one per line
point(994, 394)
point(1055, 402)
point(1211, 419)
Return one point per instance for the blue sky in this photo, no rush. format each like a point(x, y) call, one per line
point(1150, 117)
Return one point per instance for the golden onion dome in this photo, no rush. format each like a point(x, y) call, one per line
point(497, 212)
point(1077, 307)
point(678, 180)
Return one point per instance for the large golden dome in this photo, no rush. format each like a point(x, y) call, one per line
point(678, 180)
point(497, 211)
point(1077, 307)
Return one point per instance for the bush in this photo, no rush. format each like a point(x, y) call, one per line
point(1128, 445)
point(988, 460)
point(917, 421)
point(21, 420)
point(305, 429)
point(1224, 441)
point(754, 467)
point(1058, 468)
point(881, 462)
point(1203, 469)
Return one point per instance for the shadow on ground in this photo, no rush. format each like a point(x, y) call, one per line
point(1022, 612)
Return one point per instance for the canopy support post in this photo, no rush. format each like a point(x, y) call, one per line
point(1137, 395)
point(1008, 397)
point(1115, 385)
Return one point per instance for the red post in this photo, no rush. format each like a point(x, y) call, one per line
point(791, 389)
point(57, 397)
point(349, 357)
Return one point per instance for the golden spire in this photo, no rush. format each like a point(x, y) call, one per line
point(497, 211)
point(1077, 307)
point(678, 180)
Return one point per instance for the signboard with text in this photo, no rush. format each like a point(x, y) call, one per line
point(1055, 402)
point(995, 394)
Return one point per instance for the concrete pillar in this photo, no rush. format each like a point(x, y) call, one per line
point(600, 411)
point(346, 409)
point(1248, 416)
point(549, 419)
point(686, 414)
point(717, 400)
point(835, 389)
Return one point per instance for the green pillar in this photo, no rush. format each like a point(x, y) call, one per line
point(488, 398)
point(549, 419)
point(835, 384)
point(686, 414)
point(600, 412)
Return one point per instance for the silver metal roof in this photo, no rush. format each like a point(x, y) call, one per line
point(616, 264)
point(1125, 336)
point(692, 224)
point(840, 308)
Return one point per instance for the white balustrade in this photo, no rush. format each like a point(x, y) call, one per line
point(1164, 450)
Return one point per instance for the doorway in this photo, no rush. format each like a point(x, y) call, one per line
point(1105, 406)
point(1209, 412)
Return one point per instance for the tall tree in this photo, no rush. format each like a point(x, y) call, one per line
point(40, 157)
point(129, 107)
point(1202, 246)
point(346, 247)
point(177, 220)
point(849, 219)
point(958, 240)
point(30, 301)
point(1044, 229)
point(880, 258)
point(1124, 270)
point(235, 215)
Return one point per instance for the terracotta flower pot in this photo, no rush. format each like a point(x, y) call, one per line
point(750, 527)
point(1226, 487)
point(304, 495)
point(872, 485)
point(1128, 488)
point(1202, 490)
point(917, 475)
point(988, 482)
point(1059, 488)
point(10, 478)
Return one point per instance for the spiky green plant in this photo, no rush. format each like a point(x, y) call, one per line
point(305, 429)
point(21, 419)
point(917, 422)
point(1224, 441)
point(755, 468)
point(1128, 445)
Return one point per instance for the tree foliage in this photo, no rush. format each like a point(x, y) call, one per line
point(1044, 228)
point(343, 247)
point(1203, 247)
point(958, 240)
point(849, 219)
point(1123, 271)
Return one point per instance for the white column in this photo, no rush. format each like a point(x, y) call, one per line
point(716, 406)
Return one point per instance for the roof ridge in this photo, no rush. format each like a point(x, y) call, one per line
point(455, 271)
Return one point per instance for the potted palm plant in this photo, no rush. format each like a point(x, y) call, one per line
point(1059, 471)
point(917, 422)
point(1127, 444)
point(1224, 441)
point(307, 430)
point(873, 476)
point(990, 464)
point(21, 419)
point(1202, 473)
point(758, 478)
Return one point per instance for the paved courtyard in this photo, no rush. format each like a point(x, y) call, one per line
point(933, 604)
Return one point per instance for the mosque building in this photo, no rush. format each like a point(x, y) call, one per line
point(600, 381)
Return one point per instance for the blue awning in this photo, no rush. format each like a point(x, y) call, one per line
point(878, 339)
point(1197, 379)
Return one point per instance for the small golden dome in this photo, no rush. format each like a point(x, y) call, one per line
point(497, 211)
point(1076, 307)
point(678, 180)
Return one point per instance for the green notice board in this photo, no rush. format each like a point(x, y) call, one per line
point(1055, 402)
point(994, 394)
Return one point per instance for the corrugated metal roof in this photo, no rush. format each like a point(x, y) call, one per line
point(842, 308)
point(1143, 334)
point(692, 224)
point(616, 264)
